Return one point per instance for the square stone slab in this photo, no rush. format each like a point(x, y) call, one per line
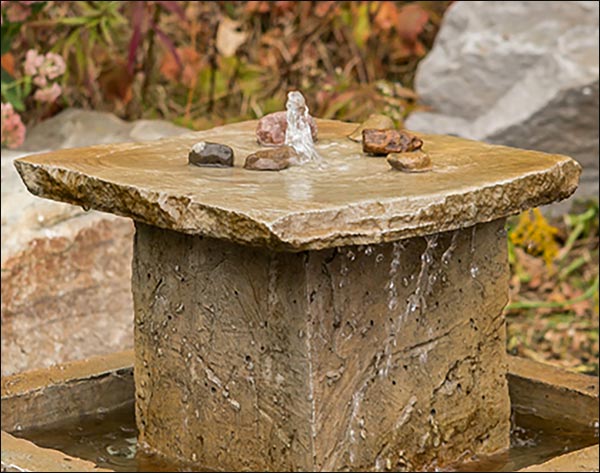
point(353, 199)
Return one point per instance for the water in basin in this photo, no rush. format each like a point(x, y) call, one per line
point(108, 439)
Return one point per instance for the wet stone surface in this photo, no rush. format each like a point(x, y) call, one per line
point(209, 154)
point(270, 129)
point(274, 159)
point(346, 359)
point(346, 199)
point(383, 142)
point(413, 161)
point(375, 121)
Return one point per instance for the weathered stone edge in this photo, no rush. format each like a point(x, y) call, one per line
point(29, 382)
point(585, 459)
point(366, 223)
point(23, 455)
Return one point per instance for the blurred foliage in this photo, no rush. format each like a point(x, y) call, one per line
point(553, 313)
point(205, 63)
point(536, 235)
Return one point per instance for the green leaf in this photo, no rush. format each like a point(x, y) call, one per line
point(362, 27)
point(37, 7)
point(5, 76)
point(9, 31)
point(75, 21)
point(26, 87)
point(13, 96)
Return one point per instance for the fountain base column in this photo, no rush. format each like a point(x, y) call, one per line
point(381, 357)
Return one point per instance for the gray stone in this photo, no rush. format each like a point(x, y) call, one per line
point(66, 272)
point(518, 73)
point(73, 128)
point(209, 154)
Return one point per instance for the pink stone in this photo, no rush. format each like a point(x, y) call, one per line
point(271, 128)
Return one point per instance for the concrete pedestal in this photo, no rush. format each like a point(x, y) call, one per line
point(361, 357)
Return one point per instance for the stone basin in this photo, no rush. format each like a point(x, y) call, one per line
point(336, 317)
point(77, 417)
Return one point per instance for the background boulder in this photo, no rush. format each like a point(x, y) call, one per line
point(522, 74)
point(66, 271)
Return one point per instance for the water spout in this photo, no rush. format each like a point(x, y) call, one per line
point(298, 134)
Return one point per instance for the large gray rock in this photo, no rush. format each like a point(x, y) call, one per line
point(65, 271)
point(517, 73)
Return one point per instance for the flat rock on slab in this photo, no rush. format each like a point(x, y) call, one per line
point(270, 130)
point(413, 161)
point(536, 85)
point(383, 142)
point(274, 159)
point(376, 122)
point(352, 200)
point(208, 154)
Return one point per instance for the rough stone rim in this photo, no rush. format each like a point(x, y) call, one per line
point(380, 221)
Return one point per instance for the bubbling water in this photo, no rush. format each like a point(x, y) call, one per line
point(298, 134)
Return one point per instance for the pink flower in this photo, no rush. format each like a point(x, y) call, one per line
point(12, 129)
point(53, 66)
point(48, 94)
point(16, 12)
point(40, 81)
point(33, 61)
point(43, 68)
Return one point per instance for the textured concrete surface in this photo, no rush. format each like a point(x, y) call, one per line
point(379, 357)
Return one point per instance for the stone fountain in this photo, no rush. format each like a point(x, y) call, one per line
point(335, 315)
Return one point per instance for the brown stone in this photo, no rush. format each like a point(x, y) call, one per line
point(270, 129)
point(363, 204)
point(274, 159)
point(374, 121)
point(17, 453)
point(61, 394)
point(383, 142)
point(584, 460)
point(66, 272)
point(49, 396)
point(68, 297)
point(344, 359)
point(413, 161)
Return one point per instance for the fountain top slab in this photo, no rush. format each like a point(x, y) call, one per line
point(354, 199)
